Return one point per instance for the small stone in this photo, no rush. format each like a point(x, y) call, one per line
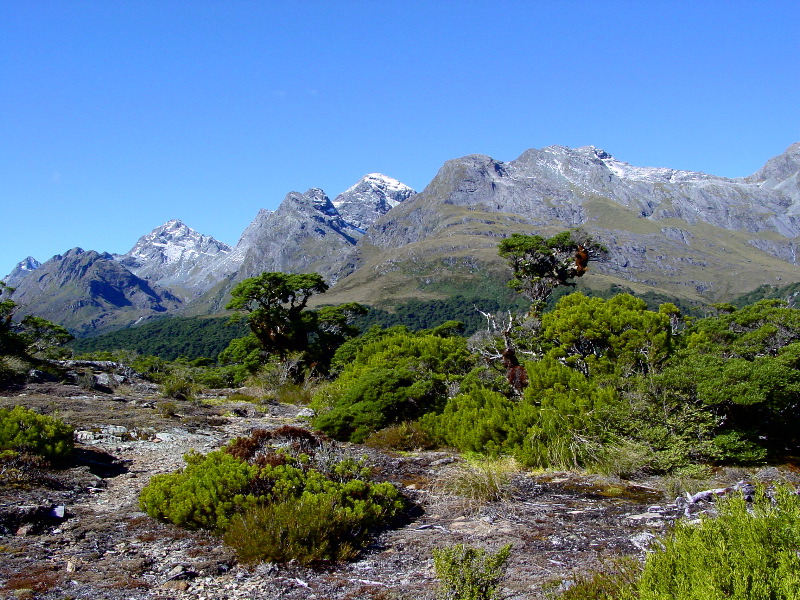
point(176, 584)
point(175, 571)
point(644, 516)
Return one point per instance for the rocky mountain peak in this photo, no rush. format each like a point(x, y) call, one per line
point(21, 270)
point(175, 255)
point(370, 198)
point(174, 241)
point(782, 174)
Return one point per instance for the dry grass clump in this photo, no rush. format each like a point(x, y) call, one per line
point(477, 482)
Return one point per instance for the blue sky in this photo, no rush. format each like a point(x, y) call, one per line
point(118, 116)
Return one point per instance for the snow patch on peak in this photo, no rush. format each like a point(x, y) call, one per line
point(377, 181)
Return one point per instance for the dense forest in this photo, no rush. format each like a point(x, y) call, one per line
point(206, 337)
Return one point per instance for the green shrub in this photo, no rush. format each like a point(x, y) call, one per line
point(204, 495)
point(23, 430)
point(322, 525)
point(380, 397)
point(392, 377)
point(556, 423)
point(615, 581)
point(279, 494)
point(403, 436)
point(179, 386)
point(744, 553)
point(467, 573)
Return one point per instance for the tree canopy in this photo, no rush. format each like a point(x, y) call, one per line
point(276, 306)
point(540, 265)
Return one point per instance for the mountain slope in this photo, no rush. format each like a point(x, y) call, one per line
point(86, 292)
point(685, 233)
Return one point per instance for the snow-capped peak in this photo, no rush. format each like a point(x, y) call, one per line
point(378, 181)
point(371, 197)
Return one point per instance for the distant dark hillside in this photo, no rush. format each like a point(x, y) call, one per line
point(169, 338)
point(195, 337)
point(768, 292)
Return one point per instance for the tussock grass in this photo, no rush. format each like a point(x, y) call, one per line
point(478, 482)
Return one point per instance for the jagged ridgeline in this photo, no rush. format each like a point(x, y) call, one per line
point(689, 236)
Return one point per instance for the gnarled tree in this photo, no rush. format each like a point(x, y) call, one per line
point(540, 265)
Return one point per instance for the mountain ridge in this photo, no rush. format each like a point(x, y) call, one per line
point(687, 233)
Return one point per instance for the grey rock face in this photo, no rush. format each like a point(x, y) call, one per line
point(305, 234)
point(372, 197)
point(553, 186)
point(781, 173)
point(176, 256)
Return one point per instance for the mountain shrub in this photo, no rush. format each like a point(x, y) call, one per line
point(283, 494)
point(467, 573)
point(393, 378)
point(746, 552)
point(556, 423)
point(25, 431)
point(332, 523)
point(204, 495)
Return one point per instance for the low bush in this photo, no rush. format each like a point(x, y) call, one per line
point(404, 436)
point(391, 377)
point(615, 581)
point(332, 523)
point(467, 573)
point(180, 387)
point(282, 494)
point(205, 495)
point(25, 431)
point(747, 552)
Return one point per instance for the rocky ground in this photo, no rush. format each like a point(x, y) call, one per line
point(78, 532)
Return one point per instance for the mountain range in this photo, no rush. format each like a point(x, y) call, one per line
point(687, 234)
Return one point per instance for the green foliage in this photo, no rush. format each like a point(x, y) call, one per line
point(31, 337)
point(320, 525)
point(167, 338)
point(282, 495)
point(557, 422)
point(742, 366)
point(540, 265)
point(274, 303)
point(467, 573)
point(179, 386)
point(204, 495)
point(618, 337)
point(25, 431)
point(615, 581)
point(768, 292)
point(427, 314)
point(395, 377)
point(744, 553)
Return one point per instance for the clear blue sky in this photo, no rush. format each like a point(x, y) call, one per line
point(118, 116)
